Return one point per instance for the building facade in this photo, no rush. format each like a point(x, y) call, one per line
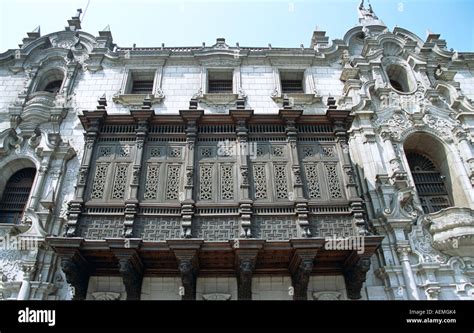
point(342, 170)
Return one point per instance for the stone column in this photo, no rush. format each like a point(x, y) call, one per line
point(31, 74)
point(28, 271)
point(466, 151)
point(394, 161)
point(410, 283)
point(187, 202)
point(37, 190)
point(244, 150)
point(69, 79)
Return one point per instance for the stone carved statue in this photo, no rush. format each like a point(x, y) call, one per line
point(366, 13)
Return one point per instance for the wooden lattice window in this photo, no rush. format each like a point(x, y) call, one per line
point(15, 195)
point(429, 183)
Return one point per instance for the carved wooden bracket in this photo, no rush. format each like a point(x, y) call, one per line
point(129, 264)
point(186, 253)
point(131, 270)
point(301, 266)
point(77, 274)
point(355, 276)
point(245, 266)
point(188, 269)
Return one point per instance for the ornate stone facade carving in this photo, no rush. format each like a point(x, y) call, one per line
point(158, 179)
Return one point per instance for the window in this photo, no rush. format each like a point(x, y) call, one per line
point(15, 195)
point(396, 85)
point(429, 183)
point(137, 84)
point(399, 78)
point(291, 82)
point(141, 83)
point(51, 81)
point(220, 82)
point(54, 87)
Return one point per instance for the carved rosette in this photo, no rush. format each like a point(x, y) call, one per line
point(394, 126)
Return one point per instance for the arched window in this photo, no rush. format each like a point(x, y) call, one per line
point(429, 183)
point(51, 81)
point(15, 195)
point(400, 78)
point(54, 86)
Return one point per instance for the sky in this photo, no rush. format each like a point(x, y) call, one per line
point(288, 23)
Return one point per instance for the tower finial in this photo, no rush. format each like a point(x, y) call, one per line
point(75, 22)
point(78, 13)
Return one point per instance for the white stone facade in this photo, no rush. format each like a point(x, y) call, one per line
point(422, 256)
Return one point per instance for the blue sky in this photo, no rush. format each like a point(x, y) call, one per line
point(251, 23)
